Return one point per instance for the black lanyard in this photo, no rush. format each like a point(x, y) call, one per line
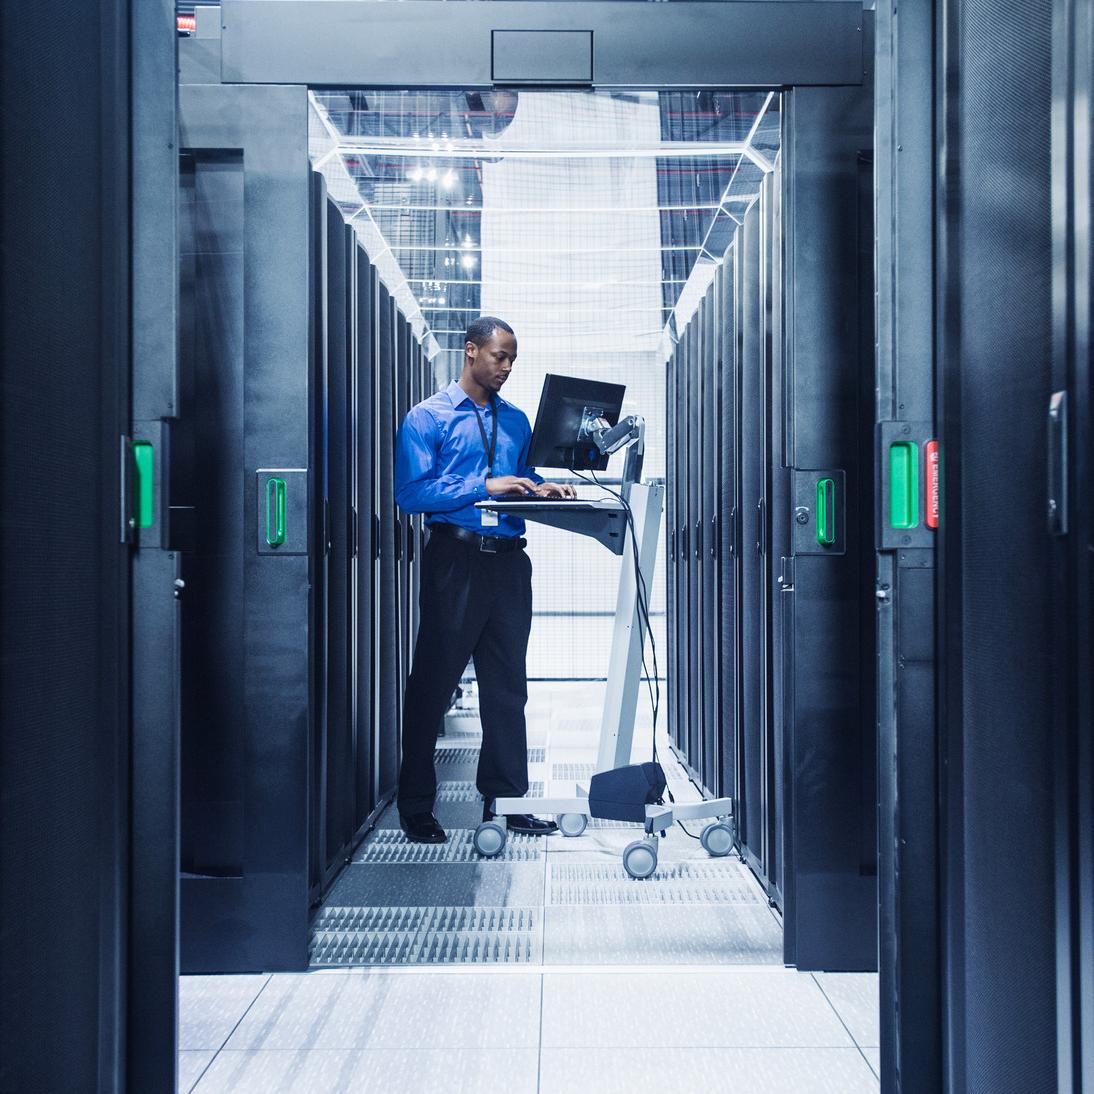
point(492, 446)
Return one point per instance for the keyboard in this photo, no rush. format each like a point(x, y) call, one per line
point(531, 497)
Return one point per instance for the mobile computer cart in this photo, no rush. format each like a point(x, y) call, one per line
point(606, 521)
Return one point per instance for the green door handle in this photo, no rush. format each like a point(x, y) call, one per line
point(275, 512)
point(903, 484)
point(826, 512)
point(144, 458)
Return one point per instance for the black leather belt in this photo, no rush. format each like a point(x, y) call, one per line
point(491, 545)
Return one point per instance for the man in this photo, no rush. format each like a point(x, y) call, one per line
point(458, 447)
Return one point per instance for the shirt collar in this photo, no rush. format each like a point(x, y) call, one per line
point(457, 395)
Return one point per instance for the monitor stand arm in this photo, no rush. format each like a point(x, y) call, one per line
point(630, 433)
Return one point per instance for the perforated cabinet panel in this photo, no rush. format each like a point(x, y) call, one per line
point(1001, 346)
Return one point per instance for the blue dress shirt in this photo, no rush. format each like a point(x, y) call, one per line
point(440, 460)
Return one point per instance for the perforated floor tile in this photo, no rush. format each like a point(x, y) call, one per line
point(425, 936)
point(465, 754)
point(572, 772)
point(463, 790)
point(708, 883)
point(388, 846)
point(440, 884)
point(657, 935)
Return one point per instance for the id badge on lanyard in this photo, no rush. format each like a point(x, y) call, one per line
point(489, 519)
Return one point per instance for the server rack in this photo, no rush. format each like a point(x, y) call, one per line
point(290, 708)
point(773, 655)
point(709, 567)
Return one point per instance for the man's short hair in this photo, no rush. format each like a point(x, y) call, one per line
point(482, 328)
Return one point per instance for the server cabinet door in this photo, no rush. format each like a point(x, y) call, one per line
point(247, 627)
point(830, 841)
point(365, 556)
point(389, 705)
point(670, 545)
point(404, 521)
point(683, 547)
point(337, 457)
point(695, 540)
point(753, 551)
point(711, 371)
point(778, 517)
point(320, 534)
point(728, 570)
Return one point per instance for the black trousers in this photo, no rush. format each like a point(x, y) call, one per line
point(473, 605)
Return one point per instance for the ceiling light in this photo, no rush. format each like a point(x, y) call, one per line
point(431, 174)
point(467, 242)
point(449, 179)
point(468, 261)
point(415, 174)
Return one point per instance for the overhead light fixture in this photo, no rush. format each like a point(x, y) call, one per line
point(415, 174)
point(467, 242)
point(468, 261)
point(431, 174)
point(449, 179)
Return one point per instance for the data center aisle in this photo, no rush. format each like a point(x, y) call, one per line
point(547, 969)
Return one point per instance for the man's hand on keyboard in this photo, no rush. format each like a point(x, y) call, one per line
point(510, 484)
point(554, 490)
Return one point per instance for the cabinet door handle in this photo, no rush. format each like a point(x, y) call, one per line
point(1057, 464)
point(672, 546)
point(761, 536)
point(826, 512)
point(698, 537)
point(398, 539)
point(714, 544)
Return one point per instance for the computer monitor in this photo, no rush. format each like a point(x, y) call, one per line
point(568, 409)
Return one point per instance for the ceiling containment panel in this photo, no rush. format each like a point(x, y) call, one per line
point(591, 221)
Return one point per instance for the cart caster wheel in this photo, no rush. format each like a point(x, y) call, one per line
point(640, 859)
point(572, 824)
point(489, 839)
point(717, 839)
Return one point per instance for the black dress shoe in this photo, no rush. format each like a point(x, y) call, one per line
point(422, 828)
point(524, 823)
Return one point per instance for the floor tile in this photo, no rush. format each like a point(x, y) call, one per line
point(420, 884)
point(375, 1071)
point(855, 997)
point(434, 935)
point(607, 845)
point(650, 935)
point(768, 1008)
point(449, 814)
point(361, 1009)
point(713, 1071)
point(697, 882)
point(210, 1007)
point(873, 1055)
point(192, 1063)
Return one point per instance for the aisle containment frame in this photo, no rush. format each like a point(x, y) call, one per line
point(803, 605)
point(982, 220)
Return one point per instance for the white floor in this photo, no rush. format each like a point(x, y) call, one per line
point(544, 1027)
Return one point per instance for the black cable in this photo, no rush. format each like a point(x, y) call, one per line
point(642, 597)
point(654, 689)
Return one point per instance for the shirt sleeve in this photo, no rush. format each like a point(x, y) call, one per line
point(418, 487)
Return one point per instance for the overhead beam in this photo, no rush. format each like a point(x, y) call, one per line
point(600, 43)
